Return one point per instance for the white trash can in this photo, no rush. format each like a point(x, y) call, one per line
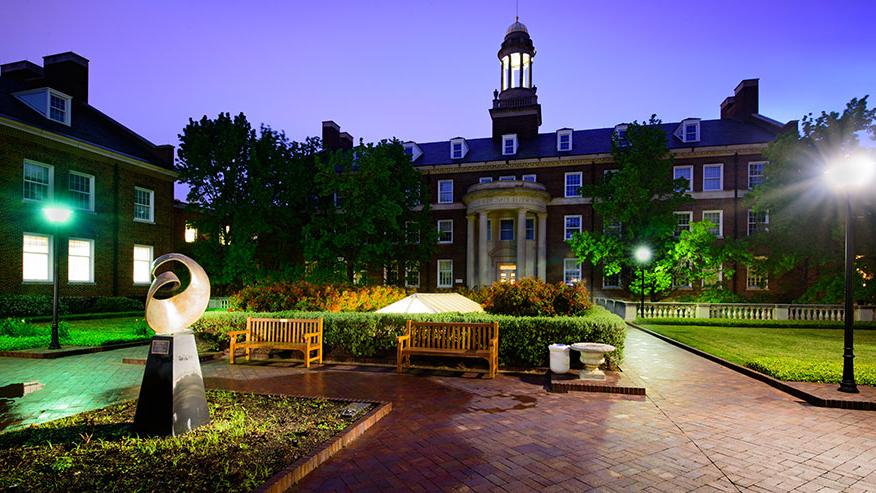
point(559, 358)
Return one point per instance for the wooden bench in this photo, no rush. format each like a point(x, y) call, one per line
point(303, 335)
point(455, 339)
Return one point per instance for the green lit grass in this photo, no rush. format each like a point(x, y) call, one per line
point(97, 332)
point(791, 354)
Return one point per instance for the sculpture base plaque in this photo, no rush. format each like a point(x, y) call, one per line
point(172, 399)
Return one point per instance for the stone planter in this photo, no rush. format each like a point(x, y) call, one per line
point(592, 355)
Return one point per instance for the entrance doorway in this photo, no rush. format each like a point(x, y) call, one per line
point(507, 272)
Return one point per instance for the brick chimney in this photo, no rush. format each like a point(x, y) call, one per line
point(333, 139)
point(743, 103)
point(165, 154)
point(23, 71)
point(346, 140)
point(67, 72)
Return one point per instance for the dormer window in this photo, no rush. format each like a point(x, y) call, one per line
point(620, 135)
point(509, 144)
point(413, 150)
point(50, 103)
point(564, 140)
point(689, 130)
point(458, 148)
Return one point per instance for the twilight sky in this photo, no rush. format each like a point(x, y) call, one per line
point(426, 71)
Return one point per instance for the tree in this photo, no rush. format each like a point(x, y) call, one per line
point(372, 210)
point(796, 197)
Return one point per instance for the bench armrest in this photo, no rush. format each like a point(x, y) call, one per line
point(402, 339)
point(234, 333)
point(310, 336)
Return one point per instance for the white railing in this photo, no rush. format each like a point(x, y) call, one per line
point(221, 303)
point(629, 310)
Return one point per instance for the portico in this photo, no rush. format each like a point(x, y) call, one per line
point(507, 226)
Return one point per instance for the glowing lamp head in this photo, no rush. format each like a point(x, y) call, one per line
point(643, 254)
point(851, 172)
point(57, 214)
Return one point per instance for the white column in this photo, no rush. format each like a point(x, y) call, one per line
point(483, 273)
point(542, 245)
point(521, 243)
point(469, 252)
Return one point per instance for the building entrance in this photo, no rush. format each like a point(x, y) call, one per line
point(507, 272)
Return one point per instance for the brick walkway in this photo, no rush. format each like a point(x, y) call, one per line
point(702, 427)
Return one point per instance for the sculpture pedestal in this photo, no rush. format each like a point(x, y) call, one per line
point(172, 398)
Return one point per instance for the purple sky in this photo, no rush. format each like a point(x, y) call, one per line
point(425, 71)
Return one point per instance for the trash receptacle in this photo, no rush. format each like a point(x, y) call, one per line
point(559, 358)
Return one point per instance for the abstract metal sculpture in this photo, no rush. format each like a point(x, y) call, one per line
point(172, 398)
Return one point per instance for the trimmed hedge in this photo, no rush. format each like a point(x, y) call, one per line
point(530, 297)
point(523, 341)
point(37, 305)
point(305, 296)
point(730, 322)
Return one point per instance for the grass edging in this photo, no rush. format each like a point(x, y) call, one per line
point(772, 382)
point(295, 472)
point(45, 353)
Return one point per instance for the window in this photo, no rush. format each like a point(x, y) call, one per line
point(142, 264)
point(191, 233)
point(485, 179)
point(412, 277)
point(716, 218)
point(458, 148)
point(529, 178)
point(82, 191)
point(80, 260)
point(144, 206)
point(686, 173)
point(573, 184)
point(713, 277)
point(572, 225)
point(713, 177)
point(37, 258)
point(611, 281)
point(445, 231)
point(608, 173)
point(758, 222)
point(755, 280)
point(337, 200)
point(620, 135)
point(445, 273)
point(489, 230)
point(508, 178)
point(412, 233)
point(530, 228)
point(59, 107)
point(612, 228)
point(755, 174)
point(506, 230)
point(564, 140)
point(445, 191)
point(413, 150)
point(509, 144)
point(571, 271)
point(682, 222)
point(37, 181)
point(689, 130)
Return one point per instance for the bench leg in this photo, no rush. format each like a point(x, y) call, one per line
point(398, 360)
point(247, 354)
point(307, 356)
point(231, 350)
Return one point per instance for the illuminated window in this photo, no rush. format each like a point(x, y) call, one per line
point(527, 77)
point(445, 191)
point(685, 173)
point(530, 228)
point(144, 205)
point(572, 225)
point(191, 233)
point(515, 69)
point(571, 271)
point(573, 184)
point(445, 273)
point(755, 174)
point(506, 230)
point(716, 218)
point(506, 64)
point(142, 264)
point(445, 231)
point(509, 144)
point(564, 140)
point(713, 177)
point(37, 256)
point(81, 188)
point(682, 222)
point(80, 260)
point(529, 178)
point(37, 181)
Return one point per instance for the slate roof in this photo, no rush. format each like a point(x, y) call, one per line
point(594, 141)
point(87, 124)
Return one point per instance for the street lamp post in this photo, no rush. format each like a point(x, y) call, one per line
point(846, 175)
point(57, 216)
point(643, 255)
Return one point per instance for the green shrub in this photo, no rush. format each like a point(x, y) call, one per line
point(14, 327)
point(731, 322)
point(33, 305)
point(305, 296)
point(531, 297)
point(27, 305)
point(523, 341)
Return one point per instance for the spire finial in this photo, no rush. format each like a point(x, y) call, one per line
point(516, 10)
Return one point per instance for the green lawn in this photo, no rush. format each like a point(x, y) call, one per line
point(98, 332)
point(792, 354)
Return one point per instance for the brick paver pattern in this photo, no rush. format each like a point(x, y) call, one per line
point(702, 427)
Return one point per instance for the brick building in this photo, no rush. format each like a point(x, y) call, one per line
point(504, 205)
point(55, 148)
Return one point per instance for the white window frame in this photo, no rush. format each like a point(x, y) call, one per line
point(566, 176)
point(761, 175)
point(720, 223)
point(450, 230)
point(149, 267)
point(751, 273)
point(408, 273)
point(438, 264)
point(50, 193)
point(566, 228)
point(151, 205)
point(505, 139)
point(766, 221)
point(677, 214)
point(49, 264)
point(564, 133)
point(720, 177)
point(513, 222)
point(463, 147)
point(413, 150)
point(690, 181)
point(409, 238)
point(90, 279)
point(67, 100)
point(606, 285)
point(530, 178)
point(485, 179)
point(576, 268)
point(690, 123)
point(719, 274)
point(90, 187)
point(444, 182)
point(620, 135)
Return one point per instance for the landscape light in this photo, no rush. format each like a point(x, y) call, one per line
point(57, 214)
point(850, 172)
point(643, 254)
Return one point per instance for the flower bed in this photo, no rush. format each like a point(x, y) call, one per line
point(305, 296)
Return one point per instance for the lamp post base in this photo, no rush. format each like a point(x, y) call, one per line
point(849, 388)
